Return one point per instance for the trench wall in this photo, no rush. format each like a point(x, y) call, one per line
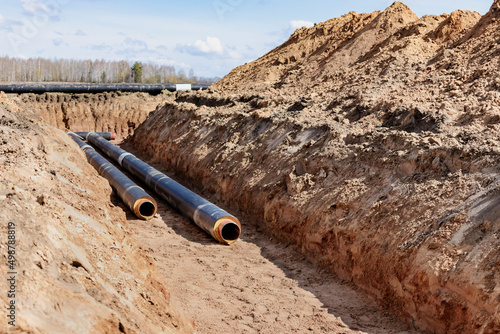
point(79, 269)
point(411, 218)
point(117, 112)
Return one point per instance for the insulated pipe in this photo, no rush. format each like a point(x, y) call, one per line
point(143, 205)
point(96, 88)
point(221, 225)
point(105, 135)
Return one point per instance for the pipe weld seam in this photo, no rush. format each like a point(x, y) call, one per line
point(133, 186)
point(123, 156)
point(84, 147)
point(158, 182)
point(151, 175)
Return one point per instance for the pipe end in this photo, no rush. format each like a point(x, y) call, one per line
point(113, 136)
point(145, 208)
point(227, 230)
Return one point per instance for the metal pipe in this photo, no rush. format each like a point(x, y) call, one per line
point(143, 205)
point(96, 88)
point(105, 135)
point(221, 225)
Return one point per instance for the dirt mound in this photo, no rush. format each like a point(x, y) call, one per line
point(302, 45)
point(370, 142)
point(375, 58)
point(78, 268)
point(120, 113)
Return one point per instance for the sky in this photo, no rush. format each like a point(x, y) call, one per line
point(209, 36)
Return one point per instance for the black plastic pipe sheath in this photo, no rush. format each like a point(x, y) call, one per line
point(95, 88)
point(105, 135)
point(221, 225)
point(143, 205)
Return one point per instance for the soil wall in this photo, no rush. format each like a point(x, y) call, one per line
point(412, 217)
point(117, 112)
point(79, 269)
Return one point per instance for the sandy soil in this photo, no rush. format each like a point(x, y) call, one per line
point(370, 141)
point(117, 112)
point(257, 285)
point(368, 144)
point(410, 218)
point(79, 268)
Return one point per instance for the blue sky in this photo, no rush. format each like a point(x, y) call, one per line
point(211, 37)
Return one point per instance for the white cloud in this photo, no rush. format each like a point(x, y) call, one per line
point(131, 47)
point(285, 33)
point(33, 6)
point(234, 54)
point(8, 25)
point(296, 24)
point(44, 9)
point(162, 60)
point(211, 46)
point(100, 47)
point(136, 45)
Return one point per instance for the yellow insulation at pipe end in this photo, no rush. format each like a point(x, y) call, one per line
point(227, 230)
point(145, 208)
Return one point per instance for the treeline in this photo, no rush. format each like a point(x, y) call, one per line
point(92, 71)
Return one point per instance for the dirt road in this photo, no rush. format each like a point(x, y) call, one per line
point(256, 285)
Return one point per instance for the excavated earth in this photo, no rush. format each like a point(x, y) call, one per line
point(79, 267)
point(86, 265)
point(369, 144)
point(117, 112)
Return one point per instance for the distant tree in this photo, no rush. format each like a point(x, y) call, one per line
point(137, 72)
point(89, 71)
point(181, 76)
point(100, 71)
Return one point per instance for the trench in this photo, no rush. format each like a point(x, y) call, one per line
point(378, 207)
point(260, 284)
